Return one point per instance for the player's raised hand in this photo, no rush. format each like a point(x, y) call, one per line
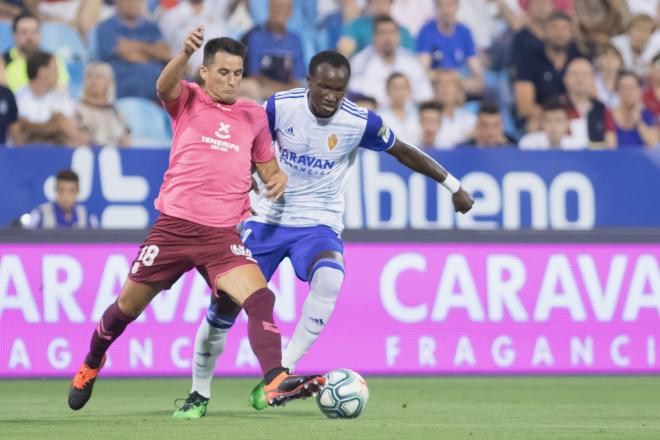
point(276, 185)
point(462, 201)
point(194, 41)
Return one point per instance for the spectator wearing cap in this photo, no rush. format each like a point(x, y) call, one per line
point(639, 44)
point(401, 114)
point(489, 131)
point(358, 34)
point(587, 114)
point(608, 63)
point(64, 212)
point(372, 66)
point(457, 122)
point(541, 75)
point(630, 124)
point(134, 47)
point(27, 38)
point(46, 114)
point(430, 122)
point(444, 43)
point(554, 133)
point(96, 113)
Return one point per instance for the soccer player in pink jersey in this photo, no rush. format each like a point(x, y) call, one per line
point(204, 195)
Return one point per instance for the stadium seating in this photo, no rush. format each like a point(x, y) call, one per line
point(64, 41)
point(149, 123)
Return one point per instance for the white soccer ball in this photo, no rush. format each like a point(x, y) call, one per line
point(344, 396)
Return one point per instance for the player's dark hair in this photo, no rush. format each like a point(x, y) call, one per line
point(223, 44)
point(488, 108)
point(332, 57)
point(67, 176)
point(430, 105)
point(394, 76)
point(36, 61)
point(22, 16)
point(380, 19)
point(553, 104)
point(627, 73)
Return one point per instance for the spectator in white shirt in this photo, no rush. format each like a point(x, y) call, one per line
point(372, 66)
point(176, 23)
point(430, 122)
point(608, 63)
point(401, 115)
point(46, 114)
point(457, 123)
point(639, 44)
point(554, 130)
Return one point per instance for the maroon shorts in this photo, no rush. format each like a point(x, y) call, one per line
point(174, 246)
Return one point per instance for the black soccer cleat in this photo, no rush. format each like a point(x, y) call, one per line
point(82, 384)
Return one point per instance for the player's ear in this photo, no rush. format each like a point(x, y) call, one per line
point(203, 72)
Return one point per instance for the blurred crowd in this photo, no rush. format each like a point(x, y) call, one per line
point(444, 74)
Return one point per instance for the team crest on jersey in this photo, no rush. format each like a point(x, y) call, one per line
point(384, 132)
point(332, 141)
point(242, 251)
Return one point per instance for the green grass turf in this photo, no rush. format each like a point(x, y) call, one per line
point(452, 408)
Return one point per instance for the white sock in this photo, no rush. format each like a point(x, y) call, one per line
point(325, 285)
point(209, 344)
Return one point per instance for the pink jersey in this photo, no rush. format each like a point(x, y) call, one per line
point(209, 175)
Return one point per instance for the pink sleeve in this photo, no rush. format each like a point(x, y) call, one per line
point(262, 147)
point(175, 106)
point(610, 124)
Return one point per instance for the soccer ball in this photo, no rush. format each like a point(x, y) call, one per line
point(344, 396)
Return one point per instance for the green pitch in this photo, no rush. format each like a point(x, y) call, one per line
point(452, 408)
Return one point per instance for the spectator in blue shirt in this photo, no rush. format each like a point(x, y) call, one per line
point(444, 43)
point(275, 59)
point(8, 114)
point(542, 74)
point(358, 34)
point(134, 47)
point(64, 212)
point(630, 125)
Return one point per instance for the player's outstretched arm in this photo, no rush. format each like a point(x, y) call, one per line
point(169, 82)
point(272, 175)
point(417, 160)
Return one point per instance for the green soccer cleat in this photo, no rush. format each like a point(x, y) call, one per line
point(258, 398)
point(193, 408)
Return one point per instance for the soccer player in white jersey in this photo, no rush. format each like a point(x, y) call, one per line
point(317, 132)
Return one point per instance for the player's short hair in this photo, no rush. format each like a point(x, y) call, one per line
point(36, 61)
point(22, 16)
point(394, 76)
point(223, 44)
point(332, 57)
point(67, 176)
point(488, 108)
point(553, 104)
point(380, 19)
point(627, 73)
point(430, 105)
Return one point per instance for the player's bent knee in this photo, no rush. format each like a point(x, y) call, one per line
point(135, 297)
point(241, 282)
point(326, 283)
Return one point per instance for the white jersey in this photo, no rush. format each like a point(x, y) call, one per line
point(317, 155)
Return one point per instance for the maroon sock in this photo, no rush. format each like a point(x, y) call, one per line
point(112, 324)
point(264, 335)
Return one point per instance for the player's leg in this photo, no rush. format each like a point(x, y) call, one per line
point(161, 260)
point(317, 257)
point(134, 297)
point(247, 286)
point(268, 249)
